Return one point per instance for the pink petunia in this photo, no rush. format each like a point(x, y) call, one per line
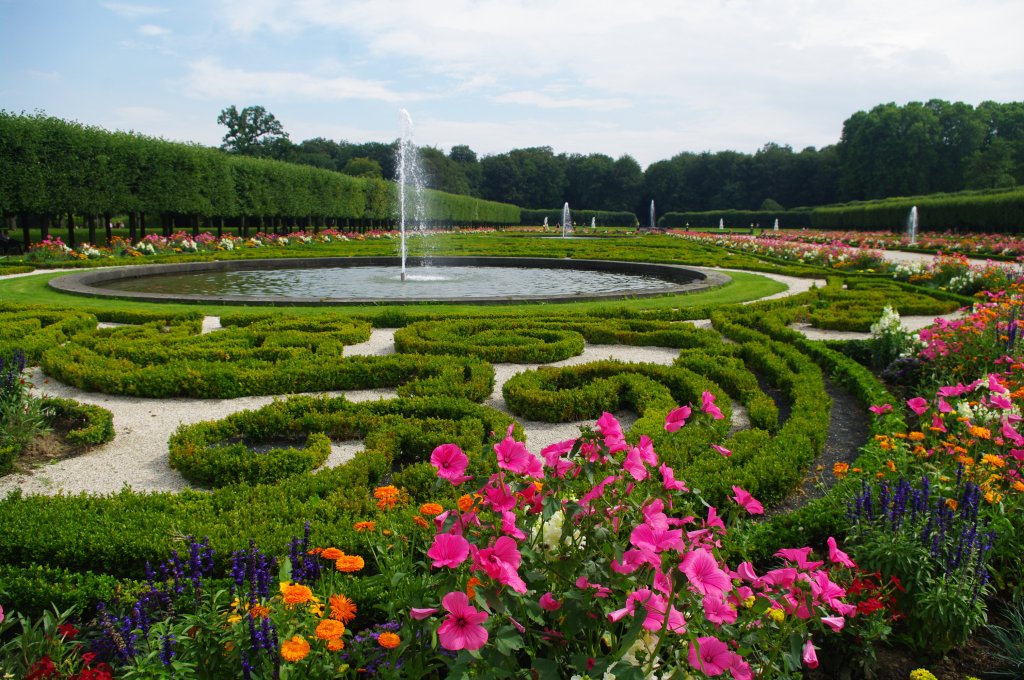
point(718, 611)
point(747, 502)
point(462, 628)
point(879, 410)
point(710, 656)
point(548, 603)
point(514, 457)
point(707, 400)
point(451, 463)
point(705, 576)
point(676, 418)
point(633, 463)
point(610, 429)
point(800, 556)
point(918, 405)
point(838, 556)
point(448, 550)
point(501, 562)
point(836, 623)
point(670, 482)
point(722, 450)
point(655, 538)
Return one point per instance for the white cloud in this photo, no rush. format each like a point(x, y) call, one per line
point(208, 79)
point(152, 30)
point(554, 101)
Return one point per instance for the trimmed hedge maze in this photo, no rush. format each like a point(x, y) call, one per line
point(263, 470)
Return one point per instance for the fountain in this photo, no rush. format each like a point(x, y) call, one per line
point(410, 185)
point(653, 223)
point(545, 224)
point(593, 223)
point(776, 226)
point(721, 223)
point(566, 220)
point(912, 225)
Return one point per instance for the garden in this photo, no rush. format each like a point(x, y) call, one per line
point(760, 505)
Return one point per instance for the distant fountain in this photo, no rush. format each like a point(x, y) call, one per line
point(593, 223)
point(545, 223)
point(410, 185)
point(566, 220)
point(912, 225)
point(776, 226)
point(721, 223)
point(653, 223)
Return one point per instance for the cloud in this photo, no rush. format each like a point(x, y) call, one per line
point(552, 101)
point(129, 11)
point(208, 79)
point(152, 30)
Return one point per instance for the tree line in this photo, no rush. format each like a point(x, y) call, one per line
point(891, 150)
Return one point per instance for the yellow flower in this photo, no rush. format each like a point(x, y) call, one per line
point(921, 674)
point(388, 640)
point(994, 461)
point(295, 593)
point(980, 432)
point(749, 601)
point(328, 629)
point(776, 615)
point(350, 563)
point(294, 649)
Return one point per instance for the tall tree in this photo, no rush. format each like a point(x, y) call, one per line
point(250, 130)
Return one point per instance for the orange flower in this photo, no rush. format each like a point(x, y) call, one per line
point(387, 497)
point(350, 563)
point(294, 649)
point(295, 593)
point(993, 497)
point(840, 469)
point(336, 645)
point(329, 629)
point(466, 502)
point(388, 640)
point(951, 503)
point(342, 608)
point(421, 522)
point(431, 509)
point(331, 553)
point(1018, 486)
point(364, 526)
point(980, 432)
point(471, 586)
point(916, 436)
point(994, 461)
point(258, 611)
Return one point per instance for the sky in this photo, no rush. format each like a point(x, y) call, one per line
point(650, 79)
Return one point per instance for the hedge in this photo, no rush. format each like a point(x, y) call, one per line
point(580, 218)
point(762, 219)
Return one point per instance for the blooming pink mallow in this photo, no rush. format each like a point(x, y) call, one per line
point(448, 550)
point(838, 556)
point(669, 480)
point(463, 628)
point(501, 563)
point(879, 410)
point(548, 603)
point(918, 405)
point(676, 418)
point(710, 656)
point(836, 623)
point(514, 457)
point(451, 463)
point(705, 576)
point(809, 656)
point(722, 450)
point(708, 405)
point(747, 502)
point(612, 433)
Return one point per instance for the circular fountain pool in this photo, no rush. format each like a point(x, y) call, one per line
point(340, 281)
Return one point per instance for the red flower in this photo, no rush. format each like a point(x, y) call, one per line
point(67, 630)
point(870, 605)
point(43, 668)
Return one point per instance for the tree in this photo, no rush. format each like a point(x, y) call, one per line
point(251, 130)
point(362, 167)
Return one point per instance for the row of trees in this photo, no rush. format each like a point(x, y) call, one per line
point(914, 149)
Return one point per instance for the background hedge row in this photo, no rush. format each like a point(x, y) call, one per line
point(580, 218)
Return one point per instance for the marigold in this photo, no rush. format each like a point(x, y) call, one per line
point(388, 640)
point(891, 465)
point(466, 502)
point(980, 432)
point(951, 503)
point(331, 553)
point(294, 649)
point(342, 608)
point(471, 586)
point(916, 436)
point(258, 611)
point(350, 563)
point(993, 497)
point(295, 593)
point(840, 470)
point(364, 526)
point(1018, 486)
point(994, 461)
point(336, 645)
point(387, 497)
point(421, 522)
point(328, 629)
point(431, 509)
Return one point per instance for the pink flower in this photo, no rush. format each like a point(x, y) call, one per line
point(918, 405)
point(717, 611)
point(705, 576)
point(708, 405)
point(448, 550)
point(514, 457)
point(668, 476)
point(747, 502)
point(722, 450)
point(836, 623)
point(422, 613)
point(879, 410)
point(634, 465)
point(676, 418)
point(994, 385)
point(548, 602)
point(838, 556)
point(999, 401)
point(937, 423)
point(809, 657)
point(711, 656)
point(450, 462)
point(612, 433)
point(656, 538)
point(746, 572)
point(462, 628)
point(501, 563)
point(799, 555)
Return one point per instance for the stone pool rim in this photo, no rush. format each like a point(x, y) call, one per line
point(685, 280)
